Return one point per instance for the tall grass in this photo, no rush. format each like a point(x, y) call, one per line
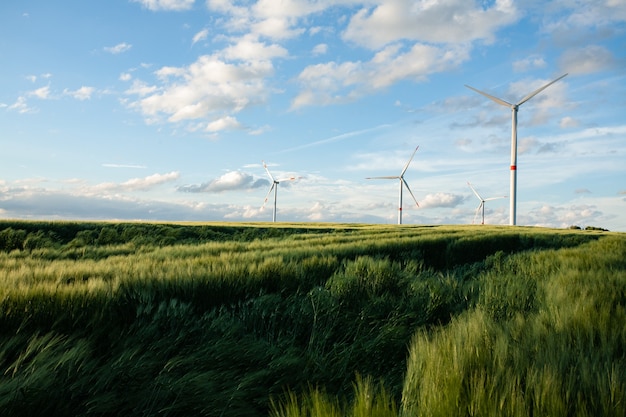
point(368, 400)
point(550, 344)
point(128, 319)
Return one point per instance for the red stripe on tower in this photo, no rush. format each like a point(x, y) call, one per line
point(513, 167)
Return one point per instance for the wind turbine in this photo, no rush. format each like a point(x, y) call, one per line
point(403, 183)
point(514, 108)
point(482, 203)
point(274, 187)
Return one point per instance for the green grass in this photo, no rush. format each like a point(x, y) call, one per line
point(100, 319)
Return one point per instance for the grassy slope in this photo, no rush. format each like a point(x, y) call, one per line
point(216, 319)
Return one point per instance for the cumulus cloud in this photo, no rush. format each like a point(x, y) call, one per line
point(136, 184)
point(176, 5)
point(441, 200)
point(575, 23)
point(233, 180)
point(568, 122)
point(42, 93)
point(57, 204)
point(587, 60)
point(224, 123)
point(207, 87)
point(21, 106)
point(529, 63)
point(565, 216)
point(339, 82)
point(200, 36)
point(118, 49)
point(83, 93)
point(249, 48)
point(320, 49)
point(448, 21)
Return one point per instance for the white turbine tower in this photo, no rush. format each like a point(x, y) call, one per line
point(514, 108)
point(403, 183)
point(274, 187)
point(482, 203)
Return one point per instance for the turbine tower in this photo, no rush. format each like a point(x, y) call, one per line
point(274, 187)
point(514, 108)
point(482, 203)
point(403, 183)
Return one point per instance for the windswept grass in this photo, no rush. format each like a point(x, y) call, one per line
point(100, 319)
point(550, 344)
point(368, 400)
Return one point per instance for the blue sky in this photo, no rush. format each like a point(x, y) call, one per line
point(165, 110)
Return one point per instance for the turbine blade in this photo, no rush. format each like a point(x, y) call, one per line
point(539, 90)
point(382, 178)
point(268, 171)
point(494, 198)
point(489, 96)
point(410, 159)
point(268, 194)
point(287, 179)
point(475, 192)
point(410, 192)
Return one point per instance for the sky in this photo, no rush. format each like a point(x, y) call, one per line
point(166, 110)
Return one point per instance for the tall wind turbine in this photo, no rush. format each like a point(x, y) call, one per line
point(514, 108)
point(403, 183)
point(274, 187)
point(482, 203)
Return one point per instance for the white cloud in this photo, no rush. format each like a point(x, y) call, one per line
point(233, 180)
point(571, 21)
point(320, 49)
point(175, 5)
point(208, 86)
point(277, 28)
point(334, 83)
point(200, 36)
point(569, 122)
point(224, 123)
point(125, 76)
point(118, 49)
point(135, 184)
point(141, 89)
point(83, 93)
point(249, 48)
point(447, 21)
point(274, 19)
point(587, 60)
point(529, 63)
point(21, 106)
point(42, 93)
point(440, 200)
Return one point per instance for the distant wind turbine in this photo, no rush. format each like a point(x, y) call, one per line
point(274, 187)
point(403, 183)
point(514, 108)
point(482, 203)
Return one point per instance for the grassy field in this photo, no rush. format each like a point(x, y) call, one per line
point(139, 319)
